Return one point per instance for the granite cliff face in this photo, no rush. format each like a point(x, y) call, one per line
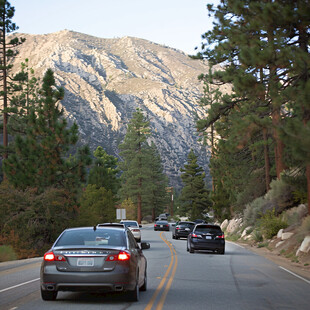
point(105, 80)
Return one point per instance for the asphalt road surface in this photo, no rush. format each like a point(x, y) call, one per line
point(177, 280)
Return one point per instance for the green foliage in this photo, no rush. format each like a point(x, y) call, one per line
point(104, 171)
point(270, 224)
point(194, 193)
point(39, 157)
point(257, 235)
point(7, 253)
point(304, 229)
point(30, 223)
point(97, 206)
point(142, 177)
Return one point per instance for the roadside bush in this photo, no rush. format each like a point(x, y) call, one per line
point(280, 196)
point(253, 211)
point(7, 253)
point(304, 228)
point(270, 224)
point(295, 215)
point(257, 236)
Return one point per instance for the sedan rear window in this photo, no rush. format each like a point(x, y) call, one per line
point(208, 229)
point(92, 237)
point(130, 224)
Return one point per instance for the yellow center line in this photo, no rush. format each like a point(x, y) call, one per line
point(161, 284)
point(167, 288)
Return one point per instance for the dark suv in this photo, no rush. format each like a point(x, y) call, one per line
point(206, 237)
point(182, 229)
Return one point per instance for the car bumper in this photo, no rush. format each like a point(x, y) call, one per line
point(119, 279)
point(211, 245)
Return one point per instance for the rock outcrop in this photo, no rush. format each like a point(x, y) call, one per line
point(105, 80)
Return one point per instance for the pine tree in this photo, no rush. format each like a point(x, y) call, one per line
point(135, 165)
point(6, 53)
point(156, 191)
point(40, 158)
point(104, 171)
point(194, 193)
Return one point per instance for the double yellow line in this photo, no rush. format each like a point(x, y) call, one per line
point(174, 260)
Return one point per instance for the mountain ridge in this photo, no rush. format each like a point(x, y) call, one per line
point(105, 80)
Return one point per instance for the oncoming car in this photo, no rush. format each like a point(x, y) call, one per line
point(94, 259)
point(206, 237)
point(134, 227)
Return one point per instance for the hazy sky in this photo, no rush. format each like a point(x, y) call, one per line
point(175, 23)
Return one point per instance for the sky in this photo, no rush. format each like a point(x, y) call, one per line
point(174, 23)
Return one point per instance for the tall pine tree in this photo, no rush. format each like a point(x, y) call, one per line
point(40, 158)
point(194, 193)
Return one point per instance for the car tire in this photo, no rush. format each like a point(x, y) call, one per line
point(173, 236)
point(139, 240)
point(134, 295)
point(48, 295)
point(143, 288)
point(176, 237)
point(191, 250)
point(222, 252)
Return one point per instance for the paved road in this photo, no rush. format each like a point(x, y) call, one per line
point(176, 280)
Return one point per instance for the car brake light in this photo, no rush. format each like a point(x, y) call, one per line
point(123, 256)
point(220, 236)
point(177, 228)
point(194, 235)
point(50, 256)
point(135, 230)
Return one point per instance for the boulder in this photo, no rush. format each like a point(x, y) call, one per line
point(244, 233)
point(279, 243)
point(286, 235)
point(233, 225)
point(279, 234)
point(305, 246)
point(224, 225)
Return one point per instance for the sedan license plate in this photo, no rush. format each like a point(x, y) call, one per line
point(208, 237)
point(85, 262)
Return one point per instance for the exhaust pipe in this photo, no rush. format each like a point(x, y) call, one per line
point(118, 288)
point(50, 287)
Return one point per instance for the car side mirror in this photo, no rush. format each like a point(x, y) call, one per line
point(145, 245)
point(172, 224)
point(140, 225)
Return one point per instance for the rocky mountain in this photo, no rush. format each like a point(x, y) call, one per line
point(105, 80)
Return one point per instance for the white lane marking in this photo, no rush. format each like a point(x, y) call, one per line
point(296, 275)
point(9, 288)
point(240, 246)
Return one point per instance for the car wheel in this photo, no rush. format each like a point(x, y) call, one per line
point(48, 295)
point(173, 236)
point(134, 295)
point(222, 252)
point(191, 250)
point(176, 237)
point(187, 247)
point(143, 288)
point(139, 240)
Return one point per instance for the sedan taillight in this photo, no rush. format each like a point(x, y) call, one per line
point(123, 256)
point(50, 257)
point(220, 236)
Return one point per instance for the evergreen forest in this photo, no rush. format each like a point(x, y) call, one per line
point(258, 135)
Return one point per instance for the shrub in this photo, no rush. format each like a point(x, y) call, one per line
point(257, 236)
point(304, 228)
point(270, 224)
point(253, 211)
point(7, 253)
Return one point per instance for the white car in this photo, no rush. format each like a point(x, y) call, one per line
point(134, 227)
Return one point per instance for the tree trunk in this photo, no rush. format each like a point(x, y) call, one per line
point(5, 96)
point(267, 161)
point(308, 186)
